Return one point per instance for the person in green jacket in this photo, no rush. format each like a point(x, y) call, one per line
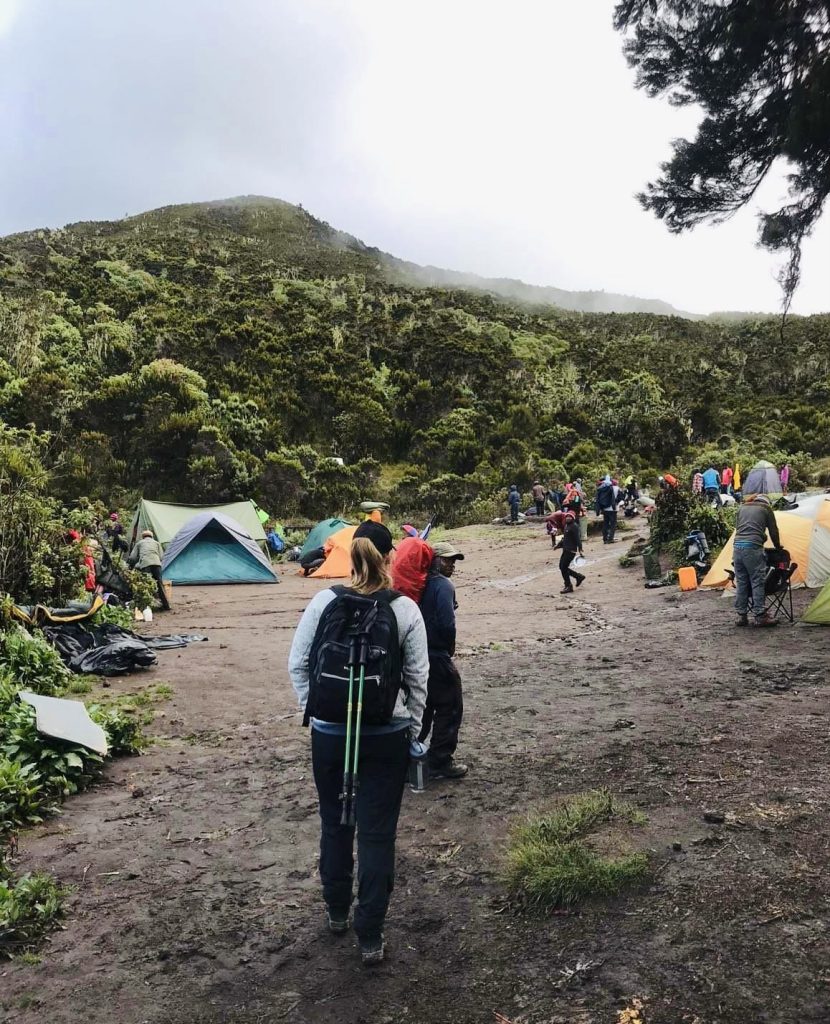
point(146, 557)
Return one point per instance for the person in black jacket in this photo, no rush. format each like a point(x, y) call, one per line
point(571, 546)
point(445, 704)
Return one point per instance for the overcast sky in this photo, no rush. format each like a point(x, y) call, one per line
point(503, 139)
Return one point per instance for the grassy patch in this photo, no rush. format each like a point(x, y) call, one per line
point(552, 863)
point(78, 685)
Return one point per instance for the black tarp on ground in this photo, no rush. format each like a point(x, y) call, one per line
point(106, 650)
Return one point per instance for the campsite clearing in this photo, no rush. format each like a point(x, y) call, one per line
point(195, 894)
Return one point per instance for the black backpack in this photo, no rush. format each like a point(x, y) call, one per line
point(352, 625)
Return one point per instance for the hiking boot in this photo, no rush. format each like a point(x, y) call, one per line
point(743, 620)
point(766, 620)
point(451, 770)
point(580, 579)
point(338, 921)
point(372, 951)
point(567, 590)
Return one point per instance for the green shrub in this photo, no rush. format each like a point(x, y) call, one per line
point(32, 662)
point(29, 907)
point(22, 797)
point(124, 730)
point(62, 768)
point(117, 615)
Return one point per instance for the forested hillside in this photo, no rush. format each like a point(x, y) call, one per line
point(217, 350)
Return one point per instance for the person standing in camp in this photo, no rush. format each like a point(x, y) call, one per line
point(513, 500)
point(607, 501)
point(755, 520)
point(114, 531)
point(384, 750)
point(555, 524)
point(146, 557)
point(697, 483)
point(784, 477)
point(726, 477)
point(571, 545)
point(538, 492)
point(445, 702)
point(711, 485)
point(575, 502)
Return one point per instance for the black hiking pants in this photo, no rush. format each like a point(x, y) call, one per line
point(609, 525)
point(540, 506)
point(444, 710)
point(155, 572)
point(382, 768)
point(568, 573)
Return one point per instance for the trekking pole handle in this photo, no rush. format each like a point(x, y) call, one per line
point(363, 655)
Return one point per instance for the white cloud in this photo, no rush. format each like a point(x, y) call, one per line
point(502, 139)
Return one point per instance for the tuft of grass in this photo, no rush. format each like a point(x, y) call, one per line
point(550, 864)
point(79, 685)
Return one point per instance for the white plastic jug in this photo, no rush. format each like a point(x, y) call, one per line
point(148, 614)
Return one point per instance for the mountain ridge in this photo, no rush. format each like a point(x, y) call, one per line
point(299, 229)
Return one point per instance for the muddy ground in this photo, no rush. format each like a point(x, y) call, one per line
point(195, 895)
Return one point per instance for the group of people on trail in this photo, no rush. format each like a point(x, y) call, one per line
point(374, 673)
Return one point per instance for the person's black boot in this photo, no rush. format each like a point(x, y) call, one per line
point(580, 579)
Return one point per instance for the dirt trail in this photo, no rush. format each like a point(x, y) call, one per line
point(196, 897)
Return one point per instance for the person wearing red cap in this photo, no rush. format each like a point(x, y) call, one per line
point(571, 546)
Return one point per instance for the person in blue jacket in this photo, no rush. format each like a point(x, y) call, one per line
point(445, 703)
point(711, 485)
point(513, 500)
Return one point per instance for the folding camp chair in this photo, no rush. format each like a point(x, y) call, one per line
point(780, 598)
point(778, 583)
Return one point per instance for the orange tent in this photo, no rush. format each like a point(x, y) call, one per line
point(338, 563)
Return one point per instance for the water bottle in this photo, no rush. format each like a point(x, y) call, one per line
point(418, 767)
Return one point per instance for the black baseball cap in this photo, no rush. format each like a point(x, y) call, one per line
point(378, 534)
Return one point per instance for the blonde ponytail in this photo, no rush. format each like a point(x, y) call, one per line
point(370, 569)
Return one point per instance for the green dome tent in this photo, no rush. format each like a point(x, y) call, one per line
point(165, 519)
point(320, 534)
point(213, 548)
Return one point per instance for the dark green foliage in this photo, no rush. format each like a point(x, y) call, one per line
point(760, 69)
point(31, 662)
point(61, 768)
point(213, 352)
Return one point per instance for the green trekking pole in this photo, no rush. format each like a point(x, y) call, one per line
point(346, 797)
point(354, 780)
point(363, 657)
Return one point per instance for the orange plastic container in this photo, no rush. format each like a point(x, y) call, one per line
point(687, 578)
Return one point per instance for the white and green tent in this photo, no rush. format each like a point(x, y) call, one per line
point(166, 519)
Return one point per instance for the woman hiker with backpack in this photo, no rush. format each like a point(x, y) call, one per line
point(387, 632)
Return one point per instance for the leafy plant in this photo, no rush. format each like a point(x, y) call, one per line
point(117, 615)
point(22, 796)
point(124, 730)
point(61, 768)
point(32, 662)
point(29, 907)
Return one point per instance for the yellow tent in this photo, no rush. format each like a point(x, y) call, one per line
point(805, 533)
